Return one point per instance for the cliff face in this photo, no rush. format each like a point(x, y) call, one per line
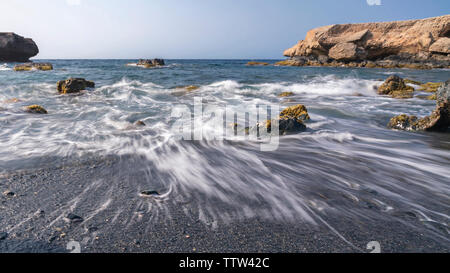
point(15, 48)
point(425, 41)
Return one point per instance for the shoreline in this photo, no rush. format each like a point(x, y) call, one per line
point(34, 220)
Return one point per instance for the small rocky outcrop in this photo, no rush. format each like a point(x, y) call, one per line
point(74, 85)
point(15, 48)
point(33, 66)
point(35, 109)
point(290, 120)
point(439, 120)
point(415, 44)
point(395, 87)
point(150, 63)
point(298, 112)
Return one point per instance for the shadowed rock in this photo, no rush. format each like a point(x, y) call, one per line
point(151, 63)
point(15, 48)
point(74, 85)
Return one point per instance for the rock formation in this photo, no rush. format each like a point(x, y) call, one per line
point(31, 66)
point(15, 48)
point(395, 87)
point(290, 120)
point(74, 85)
point(151, 63)
point(439, 120)
point(411, 44)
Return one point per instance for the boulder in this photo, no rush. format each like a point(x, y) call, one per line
point(298, 112)
point(74, 85)
point(442, 45)
point(395, 87)
point(347, 52)
point(290, 120)
point(15, 48)
point(35, 109)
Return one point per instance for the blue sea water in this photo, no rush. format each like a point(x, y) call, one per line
point(346, 152)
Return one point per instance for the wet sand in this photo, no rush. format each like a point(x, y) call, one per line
point(115, 217)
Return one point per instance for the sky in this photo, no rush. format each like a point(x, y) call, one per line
point(190, 29)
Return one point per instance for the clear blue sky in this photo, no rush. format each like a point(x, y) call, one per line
point(190, 28)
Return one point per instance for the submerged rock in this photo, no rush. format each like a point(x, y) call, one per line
point(15, 48)
point(395, 87)
point(183, 90)
point(430, 86)
point(31, 66)
point(257, 63)
point(12, 100)
point(439, 120)
point(35, 109)
point(74, 85)
point(286, 94)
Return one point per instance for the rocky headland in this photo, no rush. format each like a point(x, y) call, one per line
point(15, 48)
point(418, 44)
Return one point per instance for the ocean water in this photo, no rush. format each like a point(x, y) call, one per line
point(347, 155)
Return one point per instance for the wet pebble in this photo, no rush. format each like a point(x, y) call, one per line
point(8, 193)
point(149, 193)
point(73, 218)
point(3, 235)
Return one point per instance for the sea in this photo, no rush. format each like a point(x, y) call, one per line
point(346, 156)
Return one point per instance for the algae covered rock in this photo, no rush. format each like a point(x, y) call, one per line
point(290, 120)
point(33, 66)
point(35, 109)
point(253, 63)
point(430, 86)
point(438, 121)
point(404, 122)
point(395, 86)
point(286, 94)
point(74, 85)
point(298, 112)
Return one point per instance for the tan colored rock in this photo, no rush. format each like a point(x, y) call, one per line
point(442, 45)
point(379, 39)
point(347, 52)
